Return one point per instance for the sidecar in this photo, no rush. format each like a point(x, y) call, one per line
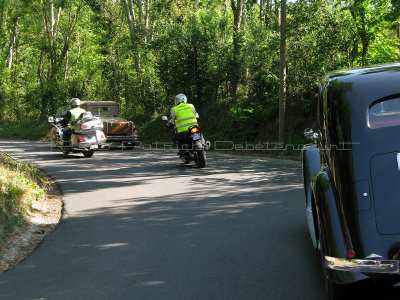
point(351, 176)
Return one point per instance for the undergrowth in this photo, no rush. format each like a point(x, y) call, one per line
point(155, 134)
point(34, 130)
point(20, 185)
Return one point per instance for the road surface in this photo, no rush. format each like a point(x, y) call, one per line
point(139, 224)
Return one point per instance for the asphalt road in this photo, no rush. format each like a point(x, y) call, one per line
point(139, 224)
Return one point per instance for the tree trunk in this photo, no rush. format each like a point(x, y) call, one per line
point(282, 75)
point(140, 17)
point(72, 20)
point(66, 66)
point(262, 8)
point(364, 39)
point(361, 27)
point(51, 28)
point(146, 21)
point(40, 70)
point(12, 44)
point(236, 64)
point(130, 14)
point(55, 56)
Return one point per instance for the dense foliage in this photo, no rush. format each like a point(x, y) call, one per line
point(224, 54)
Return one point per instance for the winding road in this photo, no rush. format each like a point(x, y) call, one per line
point(139, 224)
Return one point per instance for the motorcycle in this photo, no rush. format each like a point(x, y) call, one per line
point(86, 137)
point(194, 147)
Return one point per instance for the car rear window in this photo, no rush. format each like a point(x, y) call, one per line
point(384, 113)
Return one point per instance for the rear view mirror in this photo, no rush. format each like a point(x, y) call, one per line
point(50, 119)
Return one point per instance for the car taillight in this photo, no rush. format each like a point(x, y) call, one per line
point(194, 130)
point(83, 126)
point(351, 254)
point(81, 139)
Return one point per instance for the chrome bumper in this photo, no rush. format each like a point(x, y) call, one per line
point(362, 265)
point(122, 138)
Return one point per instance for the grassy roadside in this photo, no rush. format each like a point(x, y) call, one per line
point(26, 130)
point(20, 185)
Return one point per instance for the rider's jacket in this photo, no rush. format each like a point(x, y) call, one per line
point(75, 113)
point(185, 117)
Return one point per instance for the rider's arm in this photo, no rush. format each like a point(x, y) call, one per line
point(173, 116)
point(195, 112)
point(68, 116)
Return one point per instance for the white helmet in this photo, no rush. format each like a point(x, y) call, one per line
point(180, 98)
point(75, 102)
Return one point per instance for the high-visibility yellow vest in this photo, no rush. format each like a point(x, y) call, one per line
point(75, 113)
point(185, 117)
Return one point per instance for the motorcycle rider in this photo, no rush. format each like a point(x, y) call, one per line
point(74, 113)
point(183, 115)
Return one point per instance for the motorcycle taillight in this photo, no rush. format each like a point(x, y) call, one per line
point(81, 140)
point(194, 130)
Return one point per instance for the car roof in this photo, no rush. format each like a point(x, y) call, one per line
point(366, 70)
point(364, 85)
point(347, 96)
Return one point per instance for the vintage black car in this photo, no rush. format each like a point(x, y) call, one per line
point(352, 177)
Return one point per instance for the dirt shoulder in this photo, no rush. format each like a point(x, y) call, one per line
point(42, 218)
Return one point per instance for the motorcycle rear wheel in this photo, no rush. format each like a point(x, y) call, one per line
point(186, 159)
point(88, 153)
point(201, 158)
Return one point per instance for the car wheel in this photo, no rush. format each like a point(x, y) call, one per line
point(334, 290)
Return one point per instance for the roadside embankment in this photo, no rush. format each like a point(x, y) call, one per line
point(30, 208)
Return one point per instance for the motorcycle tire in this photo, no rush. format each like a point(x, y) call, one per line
point(201, 158)
point(65, 150)
point(186, 159)
point(88, 153)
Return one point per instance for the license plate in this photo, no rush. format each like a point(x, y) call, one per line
point(196, 136)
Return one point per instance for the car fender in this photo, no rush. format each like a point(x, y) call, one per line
point(328, 218)
point(330, 227)
point(311, 164)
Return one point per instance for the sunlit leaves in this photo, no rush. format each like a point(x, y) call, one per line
point(186, 46)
